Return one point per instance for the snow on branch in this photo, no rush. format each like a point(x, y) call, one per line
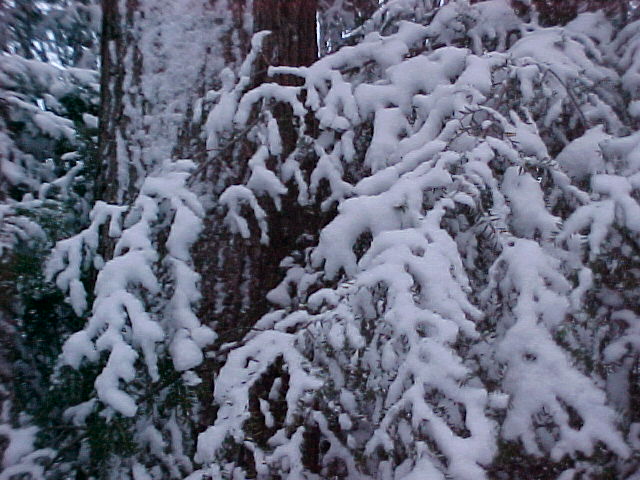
point(540, 379)
point(463, 156)
point(121, 322)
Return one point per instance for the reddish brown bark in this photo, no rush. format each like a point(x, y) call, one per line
point(237, 273)
point(293, 33)
point(114, 38)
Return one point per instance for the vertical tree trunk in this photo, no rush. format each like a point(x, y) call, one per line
point(114, 39)
point(293, 39)
point(158, 57)
point(237, 273)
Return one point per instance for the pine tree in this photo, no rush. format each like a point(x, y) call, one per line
point(48, 106)
point(467, 155)
point(413, 257)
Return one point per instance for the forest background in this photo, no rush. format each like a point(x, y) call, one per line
point(318, 239)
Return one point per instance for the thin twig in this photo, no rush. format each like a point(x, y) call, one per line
point(570, 92)
point(206, 163)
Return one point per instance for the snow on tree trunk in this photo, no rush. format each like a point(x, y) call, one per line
point(161, 62)
point(156, 96)
point(158, 59)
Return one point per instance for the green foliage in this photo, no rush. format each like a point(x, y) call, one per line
point(108, 438)
point(512, 462)
point(66, 31)
point(43, 318)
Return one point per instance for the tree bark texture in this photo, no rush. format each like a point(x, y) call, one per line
point(158, 58)
point(237, 273)
point(293, 40)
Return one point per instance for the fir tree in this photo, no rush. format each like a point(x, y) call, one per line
point(413, 257)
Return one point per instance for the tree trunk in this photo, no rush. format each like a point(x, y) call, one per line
point(237, 273)
point(158, 58)
point(156, 65)
point(114, 40)
point(293, 40)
